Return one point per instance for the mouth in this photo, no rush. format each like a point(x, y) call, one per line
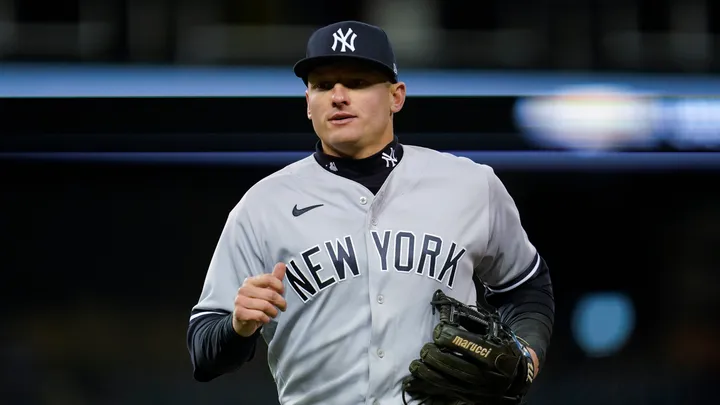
point(341, 118)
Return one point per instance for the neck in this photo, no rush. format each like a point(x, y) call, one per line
point(370, 171)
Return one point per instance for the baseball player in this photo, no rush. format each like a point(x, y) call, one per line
point(333, 259)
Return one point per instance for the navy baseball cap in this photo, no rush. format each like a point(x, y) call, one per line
point(348, 40)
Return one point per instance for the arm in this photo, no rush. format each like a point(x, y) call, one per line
point(214, 345)
point(516, 278)
point(529, 310)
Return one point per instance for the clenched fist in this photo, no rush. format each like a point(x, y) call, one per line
point(258, 301)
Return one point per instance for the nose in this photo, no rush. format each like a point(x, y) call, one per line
point(340, 95)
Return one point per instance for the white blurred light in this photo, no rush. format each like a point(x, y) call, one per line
point(588, 118)
point(603, 322)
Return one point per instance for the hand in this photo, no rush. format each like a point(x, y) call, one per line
point(473, 358)
point(258, 301)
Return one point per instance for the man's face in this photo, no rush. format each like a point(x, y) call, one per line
point(351, 106)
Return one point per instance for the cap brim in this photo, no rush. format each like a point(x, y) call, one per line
point(304, 66)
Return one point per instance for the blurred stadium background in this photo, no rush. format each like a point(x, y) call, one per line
point(129, 129)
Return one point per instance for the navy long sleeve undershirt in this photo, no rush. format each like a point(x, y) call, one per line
point(529, 310)
point(215, 348)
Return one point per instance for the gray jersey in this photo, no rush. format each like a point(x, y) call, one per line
point(362, 268)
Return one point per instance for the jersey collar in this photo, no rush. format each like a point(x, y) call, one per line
point(379, 164)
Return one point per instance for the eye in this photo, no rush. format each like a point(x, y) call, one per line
point(323, 85)
point(357, 83)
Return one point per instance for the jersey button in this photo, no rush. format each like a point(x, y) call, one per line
point(374, 221)
point(363, 200)
point(381, 299)
point(381, 353)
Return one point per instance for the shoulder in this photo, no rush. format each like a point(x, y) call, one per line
point(274, 186)
point(446, 163)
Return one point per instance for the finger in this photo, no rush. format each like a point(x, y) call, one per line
point(279, 271)
point(258, 304)
point(265, 294)
point(245, 315)
point(266, 281)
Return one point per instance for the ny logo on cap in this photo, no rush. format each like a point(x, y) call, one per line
point(343, 39)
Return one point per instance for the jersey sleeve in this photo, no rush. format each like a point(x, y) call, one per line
point(237, 255)
point(511, 259)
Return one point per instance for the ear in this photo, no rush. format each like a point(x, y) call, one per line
point(307, 101)
point(397, 95)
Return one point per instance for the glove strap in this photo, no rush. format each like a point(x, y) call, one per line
point(526, 371)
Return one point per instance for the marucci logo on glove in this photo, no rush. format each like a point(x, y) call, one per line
point(468, 345)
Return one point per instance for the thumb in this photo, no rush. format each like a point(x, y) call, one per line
point(279, 271)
